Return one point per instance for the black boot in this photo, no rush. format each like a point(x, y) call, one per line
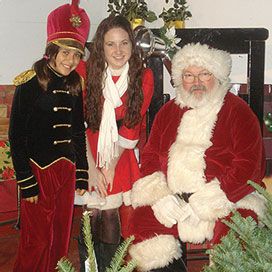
point(82, 250)
point(106, 253)
point(175, 266)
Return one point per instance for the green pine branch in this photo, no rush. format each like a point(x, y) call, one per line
point(64, 265)
point(117, 264)
point(248, 245)
point(118, 259)
point(88, 239)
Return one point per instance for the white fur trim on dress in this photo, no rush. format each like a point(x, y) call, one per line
point(156, 252)
point(127, 198)
point(211, 202)
point(147, 190)
point(112, 202)
point(126, 143)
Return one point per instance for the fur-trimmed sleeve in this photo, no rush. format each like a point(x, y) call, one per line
point(147, 190)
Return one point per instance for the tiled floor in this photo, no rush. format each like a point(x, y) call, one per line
point(9, 241)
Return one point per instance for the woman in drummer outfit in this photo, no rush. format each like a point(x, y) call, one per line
point(47, 137)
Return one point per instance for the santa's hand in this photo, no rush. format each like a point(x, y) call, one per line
point(189, 215)
point(168, 210)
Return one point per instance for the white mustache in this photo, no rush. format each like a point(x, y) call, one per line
point(198, 87)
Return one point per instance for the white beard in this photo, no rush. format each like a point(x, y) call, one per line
point(191, 100)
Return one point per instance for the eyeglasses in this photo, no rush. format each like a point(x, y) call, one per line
point(190, 78)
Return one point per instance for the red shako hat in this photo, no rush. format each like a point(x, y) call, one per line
point(68, 26)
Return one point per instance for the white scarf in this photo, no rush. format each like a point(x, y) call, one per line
point(107, 147)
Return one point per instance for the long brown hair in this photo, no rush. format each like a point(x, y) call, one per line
point(72, 82)
point(96, 66)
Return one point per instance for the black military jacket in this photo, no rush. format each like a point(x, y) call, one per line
point(44, 127)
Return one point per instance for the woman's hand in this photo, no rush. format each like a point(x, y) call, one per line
point(32, 199)
point(109, 175)
point(109, 172)
point(99, 183)
point(96, 178)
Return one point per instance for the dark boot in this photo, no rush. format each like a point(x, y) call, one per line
point(82, 250)
point(107, 251)
point(175, 266)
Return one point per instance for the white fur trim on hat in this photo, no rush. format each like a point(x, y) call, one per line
point(156, 252)
point(214, 60)
point(211, 202)
point(147, 190)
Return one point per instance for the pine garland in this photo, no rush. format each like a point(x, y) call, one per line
point(248, 245)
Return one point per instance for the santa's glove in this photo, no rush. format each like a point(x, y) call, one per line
point(189, 215)
point(168, 210)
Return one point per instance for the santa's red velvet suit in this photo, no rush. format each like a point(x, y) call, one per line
point(205, 154)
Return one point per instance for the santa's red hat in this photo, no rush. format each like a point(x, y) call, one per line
point(68, 26)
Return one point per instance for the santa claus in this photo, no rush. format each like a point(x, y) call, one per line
point(203, 148)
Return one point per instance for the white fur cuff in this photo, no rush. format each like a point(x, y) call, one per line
point(147, 190)
point(156, 252)
point(211, 202)
point(253, 201)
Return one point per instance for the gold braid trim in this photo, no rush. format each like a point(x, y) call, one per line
point(46, 166)
point(25, 188)
point(24, 77)
point(23, 180)
point(81, 179)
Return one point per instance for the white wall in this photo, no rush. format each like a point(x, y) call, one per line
point(23, 31)
point(23, 28)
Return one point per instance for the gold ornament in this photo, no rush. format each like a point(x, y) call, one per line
point(76, 21)
point(178, 24)
point(136, 22)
